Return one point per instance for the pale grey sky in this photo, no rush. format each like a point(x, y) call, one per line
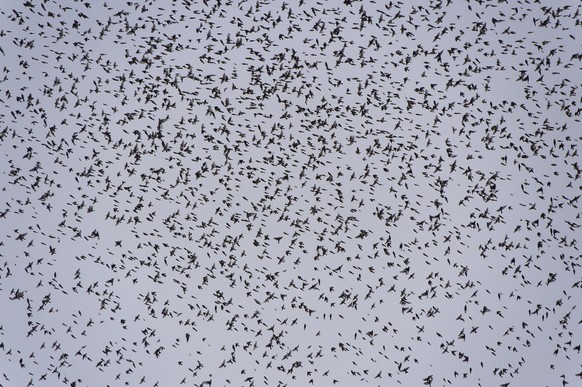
point(269, 193)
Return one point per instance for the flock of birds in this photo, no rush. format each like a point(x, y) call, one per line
point(270, 193)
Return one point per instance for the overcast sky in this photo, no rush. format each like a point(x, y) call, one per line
point(278, 194)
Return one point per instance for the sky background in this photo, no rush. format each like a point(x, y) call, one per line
point(270, 193)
